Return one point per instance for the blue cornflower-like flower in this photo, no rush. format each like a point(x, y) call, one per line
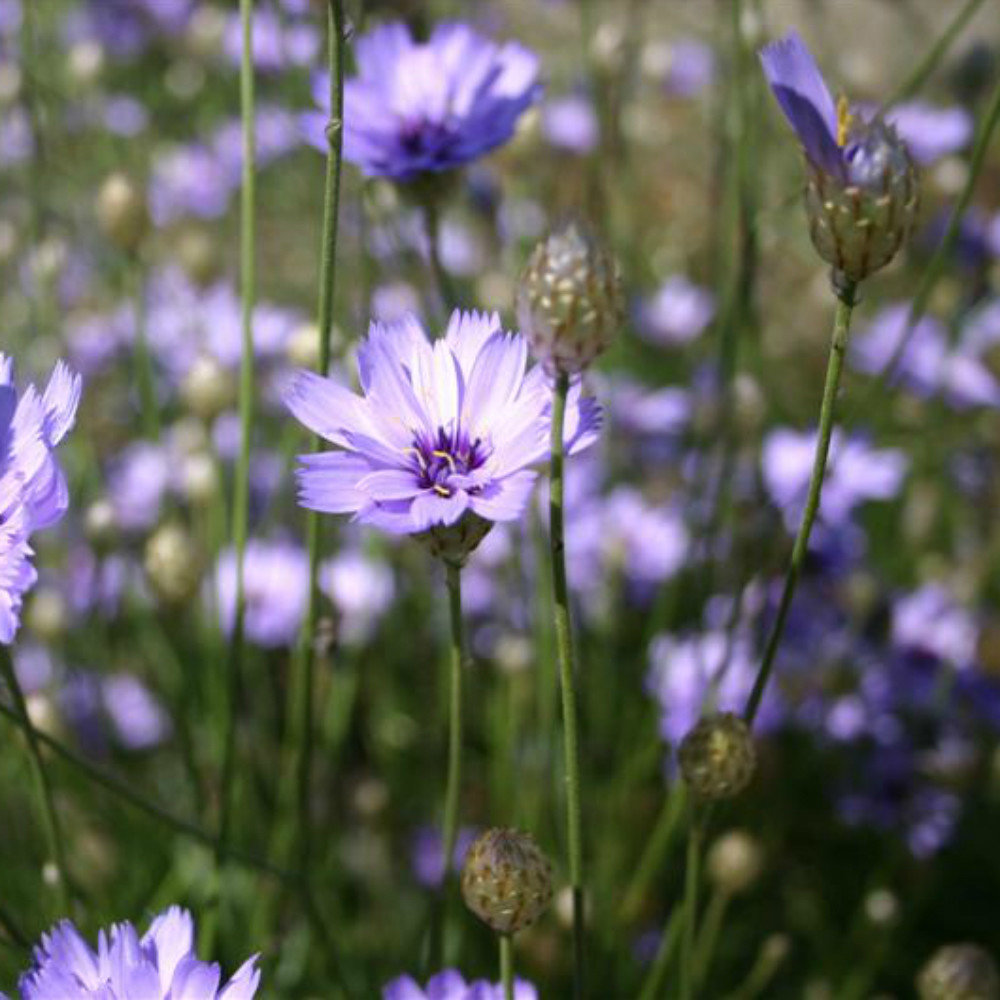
point(418, 107)
point(450, 985)
point(443, 430)
point(33, 491)
point(862, 194)
point(160, 965)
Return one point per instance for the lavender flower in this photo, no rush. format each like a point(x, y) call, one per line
point(158, 966)
point(931, 132)
point(677, 313)
point(33, 492)
point(449, 985)
point(276, 591)
point(570, 123)
point(418, 107)
point(444, 431)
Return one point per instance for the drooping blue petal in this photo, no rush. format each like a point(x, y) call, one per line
point(805, 99)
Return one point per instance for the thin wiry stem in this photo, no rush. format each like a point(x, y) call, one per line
point(442, 280)
point(302, 683)
point(40, 776)
point(838, 348)
point(507, 966)
point(144, 376)
point(241, 485)
point(122, 791)
point(936, 267)
point(691, 876)
point(564, 647)
point(923, 70)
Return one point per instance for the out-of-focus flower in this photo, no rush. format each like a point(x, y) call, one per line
point(862, 191)
point(428, 854)
point(275, 588)
point(856, 473)
point(137, 483)
point(139, 720)
point(127, 27)
point(33, 491)
point(419, 107)
point(444, 431)
point(929, 363)
point(690, 67)
point(931, 621)
point(571, 123)
point(277, 41)
point(362, 589)
point(677, 312)
point(931, 132)
point(160, 965)
point(449, 985)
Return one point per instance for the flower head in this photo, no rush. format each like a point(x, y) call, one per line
point(862, 193)
point(450, 985)
point(419, 107)
point(33, 492)
point(160, 965)
point(446, 434)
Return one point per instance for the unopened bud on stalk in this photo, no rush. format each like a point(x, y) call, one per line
point(173, 564)
point(208, 388)
point(569, 302)
point(734, 861)
point(47, 614)
point(717, 757)
point(121, 212)
point(862, 191)
point(198, 253)
point(959, 972)
point(100, 523)
point(506, 880)
point(200, 478)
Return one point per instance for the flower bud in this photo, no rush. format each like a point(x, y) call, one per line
point(454, 543)
point(200, 478)
point(717, 757)
point(734, 861)
point(208, 388)
point(47, 614)
point(173, 564)
point(198, 253)
point(100, 523)
point(858, 223)
point(959, 972)
point(121, 212)
point(506, 880)
point(569, 302)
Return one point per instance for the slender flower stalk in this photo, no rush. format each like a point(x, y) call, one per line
point(300, 702)
point(40, 777)
point(442, 281)
point(453, 783)
point(507, 966)
point(835, 363)
point(691, 876)
point(241, 486)
point(144, 376)
point(564, 648)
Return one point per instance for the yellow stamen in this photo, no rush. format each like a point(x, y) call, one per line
point(446, 457)
point(420, 457)
point(844, 120)
point(441, 490)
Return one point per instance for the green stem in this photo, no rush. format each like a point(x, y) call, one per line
point(938, 262)
point(144, 376)
point(650, 989)
point(656, 849)
point(691, 876)
point(442, 280)
point(454, 780)
point(303, 728)
point(120, 790)
point(715, 915)
point(241, 485)
point(835, 363)
point(930, 62)
point(564, 647)
point(507, 966)
point(40, 776)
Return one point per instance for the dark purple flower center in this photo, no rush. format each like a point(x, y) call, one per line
point(447, 454)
